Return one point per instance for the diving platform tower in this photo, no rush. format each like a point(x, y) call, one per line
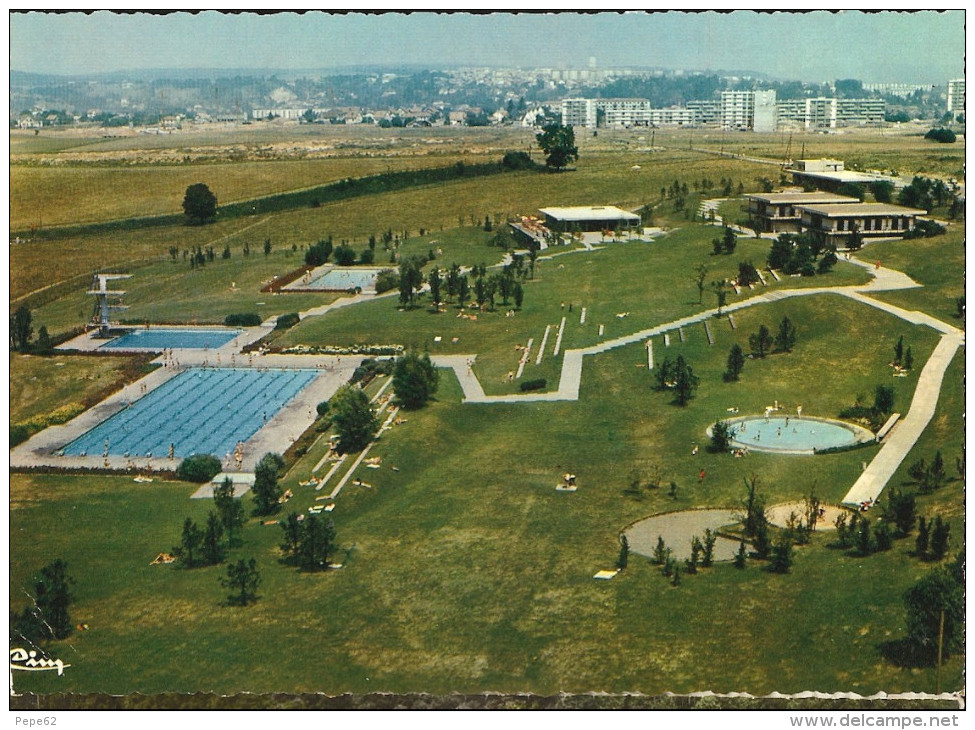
point(106, 301)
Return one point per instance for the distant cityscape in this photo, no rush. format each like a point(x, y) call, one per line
point(589, 97)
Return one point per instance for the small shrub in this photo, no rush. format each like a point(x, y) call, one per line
point(64, 413)
point(198, 468)
point(287, 321)
point(18, 433)
point(528, 385)
point(248, 319)
point(386, 280)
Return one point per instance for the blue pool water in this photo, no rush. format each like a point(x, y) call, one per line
point(163, 339)
point(199, 411)
point(341, 279)
point(781, 433)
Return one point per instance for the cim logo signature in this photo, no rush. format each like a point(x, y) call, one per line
point(28, 661)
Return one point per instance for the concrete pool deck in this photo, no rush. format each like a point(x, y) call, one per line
point(276, 436)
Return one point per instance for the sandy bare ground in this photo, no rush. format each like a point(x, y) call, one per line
point(778, 514)
point(678, 529)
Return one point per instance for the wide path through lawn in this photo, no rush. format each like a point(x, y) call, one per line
point(899, 442)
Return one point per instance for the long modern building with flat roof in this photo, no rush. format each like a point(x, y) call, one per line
point(873, 220)
point(780, 212)
point(829, 175)
point(589, 218)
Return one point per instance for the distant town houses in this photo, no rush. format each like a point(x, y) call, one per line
point(494, 96)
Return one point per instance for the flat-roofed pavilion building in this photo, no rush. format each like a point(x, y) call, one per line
point(830, 175)
point(589, 218)
point(779, 212)
point(836, 223)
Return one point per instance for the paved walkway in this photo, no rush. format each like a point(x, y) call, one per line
point(873, 480)
point(282, 430)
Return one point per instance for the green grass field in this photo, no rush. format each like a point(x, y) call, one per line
point(472, 520)
point(39, 385)
point(464, 570)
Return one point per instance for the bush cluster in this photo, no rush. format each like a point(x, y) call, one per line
point(20, 432)
point(198, 468)
point(528, 385)
point(287, 321)
point(247, 319)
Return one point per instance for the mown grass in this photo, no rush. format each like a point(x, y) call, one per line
point(170, 292)
point(937, 263)
point(467, 571)
point(652, 283)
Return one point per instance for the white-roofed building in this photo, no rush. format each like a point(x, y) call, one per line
point(589, 218)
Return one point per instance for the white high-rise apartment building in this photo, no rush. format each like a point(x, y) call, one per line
point(579, 113)
point(956, 96)
point(754, 110)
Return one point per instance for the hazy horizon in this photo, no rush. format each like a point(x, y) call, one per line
point(814, 46)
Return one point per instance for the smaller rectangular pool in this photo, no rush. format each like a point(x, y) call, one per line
point(166, 339)
point(344, 279)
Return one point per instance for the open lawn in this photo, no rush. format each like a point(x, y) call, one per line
point(109, 192)
point(34, 265)
point(937, 263)
point(464, 570)
point(472, 519)
point(652, 282)
point(170, 292)
point(39, 385)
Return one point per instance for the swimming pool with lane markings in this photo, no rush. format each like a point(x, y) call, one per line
point(199, 411)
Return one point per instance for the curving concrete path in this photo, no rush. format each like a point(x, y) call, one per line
point(897, 445)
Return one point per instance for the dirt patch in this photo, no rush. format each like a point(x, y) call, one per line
point(778, 514)
point(678, 529)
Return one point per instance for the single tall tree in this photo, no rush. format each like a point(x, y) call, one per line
point(700, 276)
point(52, 597)
point(242, 581)
point(199, 203)
point(685, 381)
point(189, 544)
point(230, 509)
point(415, 379)
point(213, 540)
point(317, 543)
point(558, 144)
point(939, 593)
point(353, 418)
point(785, 339)
point(736, 363)
point(21, 330)
point(760, 342)
point(266, 489)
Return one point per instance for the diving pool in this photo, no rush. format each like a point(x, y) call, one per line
point(199, 411)
point(791, 434)
point(172, 339)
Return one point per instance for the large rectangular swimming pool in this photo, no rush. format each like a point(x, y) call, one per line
point(167, 339)
point(199, 411)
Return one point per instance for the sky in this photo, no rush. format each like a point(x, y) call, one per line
point(886, 46)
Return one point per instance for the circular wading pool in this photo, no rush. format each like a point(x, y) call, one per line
point(794, 435)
